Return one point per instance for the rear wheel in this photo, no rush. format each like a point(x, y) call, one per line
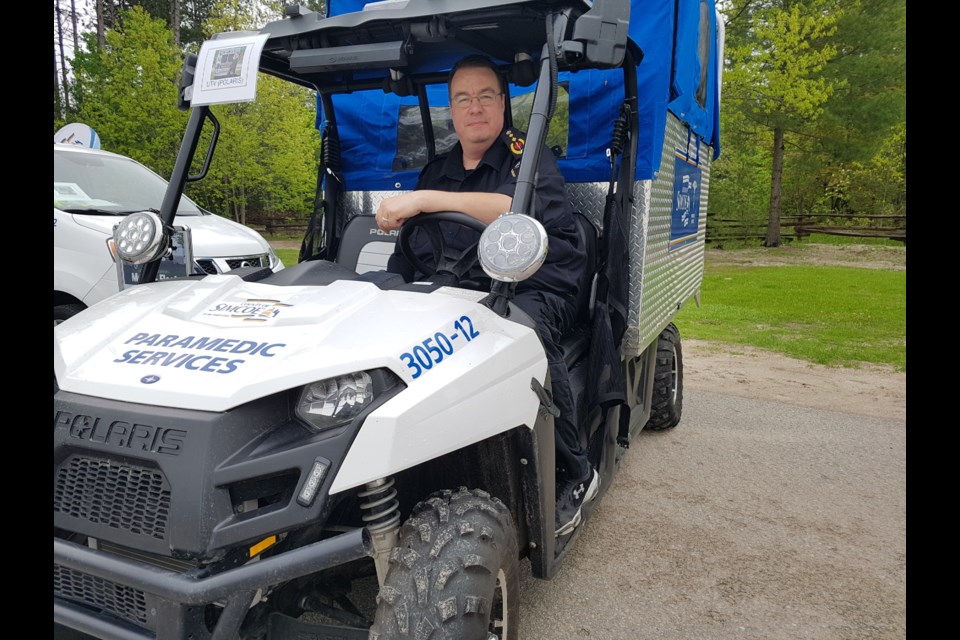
point(667, 403)
point(454, 574)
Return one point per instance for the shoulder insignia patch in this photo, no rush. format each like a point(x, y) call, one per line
point(514, 141)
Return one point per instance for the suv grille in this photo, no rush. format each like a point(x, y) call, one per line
point(220, 265)
point(207, 266)
point(250, 261)
point(122, 496)
point(122, 601)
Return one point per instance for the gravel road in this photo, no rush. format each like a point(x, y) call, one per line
point(753, 519)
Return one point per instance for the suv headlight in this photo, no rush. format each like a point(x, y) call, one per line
point(273, 259)
point(139, 237)
point(334, 402)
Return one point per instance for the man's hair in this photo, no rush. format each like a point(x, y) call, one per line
point(476, 62)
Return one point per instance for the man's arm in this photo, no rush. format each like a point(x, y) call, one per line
point(485, 207)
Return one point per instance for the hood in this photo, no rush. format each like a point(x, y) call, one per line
point(213, 235)
point(220, 342)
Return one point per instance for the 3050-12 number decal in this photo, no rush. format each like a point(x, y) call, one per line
point(431, 351)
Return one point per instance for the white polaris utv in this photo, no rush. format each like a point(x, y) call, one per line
point(329, 451)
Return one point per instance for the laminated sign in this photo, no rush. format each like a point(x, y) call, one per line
point(685, 222)
point(227, 70)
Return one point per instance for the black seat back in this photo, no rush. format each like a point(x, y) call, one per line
point(364, 246)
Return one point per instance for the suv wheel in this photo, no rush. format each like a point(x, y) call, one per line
point(63, 311)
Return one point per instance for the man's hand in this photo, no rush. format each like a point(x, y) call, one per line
point(394, 211)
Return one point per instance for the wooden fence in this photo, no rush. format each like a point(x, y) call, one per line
point(278, 227)
point(720, 229)
point(891, 226)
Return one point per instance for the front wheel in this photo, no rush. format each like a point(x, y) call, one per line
point(667, 403)
point(455, 573)
point(64, 311)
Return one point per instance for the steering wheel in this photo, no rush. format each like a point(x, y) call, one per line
point(448, 260)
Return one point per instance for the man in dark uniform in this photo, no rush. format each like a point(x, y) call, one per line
point(478, 177)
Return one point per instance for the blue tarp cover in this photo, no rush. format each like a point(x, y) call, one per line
point(667, 78)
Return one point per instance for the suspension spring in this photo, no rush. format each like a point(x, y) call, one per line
point(380, 508)
point(619, 133)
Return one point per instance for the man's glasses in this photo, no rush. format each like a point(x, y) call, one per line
point(484, 100)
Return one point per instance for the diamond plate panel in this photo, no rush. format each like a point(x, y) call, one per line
point(663, 280)
point(355, 203)
point(589, 199)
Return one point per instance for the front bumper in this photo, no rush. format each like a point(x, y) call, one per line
point(172, 600)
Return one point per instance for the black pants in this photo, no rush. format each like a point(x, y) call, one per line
point(554, 315)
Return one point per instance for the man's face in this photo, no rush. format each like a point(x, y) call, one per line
point(474, 123)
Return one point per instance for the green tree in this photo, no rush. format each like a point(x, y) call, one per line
point(880, 185)
point(740, 177)
point(266, 156)
point(267, 153)
point(865, 119)
point(127, 91)
point(776, 52)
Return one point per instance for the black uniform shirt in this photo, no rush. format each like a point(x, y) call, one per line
point(497, 173)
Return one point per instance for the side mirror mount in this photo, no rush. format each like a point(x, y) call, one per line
point(187, 74)
point(603, 32)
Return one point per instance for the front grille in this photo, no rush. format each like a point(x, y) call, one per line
point(122, 496)
point(122, 601)
point(207, 266)
point(221, 265)
point(249, 261)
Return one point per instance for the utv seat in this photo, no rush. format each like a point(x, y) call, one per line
point(364, 246)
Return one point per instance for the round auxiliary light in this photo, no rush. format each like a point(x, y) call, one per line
point(512, 247)
point(139, 237)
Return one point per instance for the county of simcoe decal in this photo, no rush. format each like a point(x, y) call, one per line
point(250, 310)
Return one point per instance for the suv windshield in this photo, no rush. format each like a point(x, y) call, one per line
point(108, 184)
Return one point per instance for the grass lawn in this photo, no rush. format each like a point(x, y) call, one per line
point(823, 314)
point(289, 256)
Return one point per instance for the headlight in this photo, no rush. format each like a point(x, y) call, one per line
point(274, 259)
point(335, 401)
point(513, 247)
point(139, 237)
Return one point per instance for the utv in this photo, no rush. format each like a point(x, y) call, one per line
point(328, 451)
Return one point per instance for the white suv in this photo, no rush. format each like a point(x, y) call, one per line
point(91, 188)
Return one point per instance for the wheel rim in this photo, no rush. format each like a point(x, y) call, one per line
point(499, 619)
point(673, 374)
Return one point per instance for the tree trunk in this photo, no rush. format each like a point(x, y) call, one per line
point(242, 218)
point(73, 19)
point(101, 28)
point(776, 186)
point(57, 110)
point(63, 60)
point(175, 21)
